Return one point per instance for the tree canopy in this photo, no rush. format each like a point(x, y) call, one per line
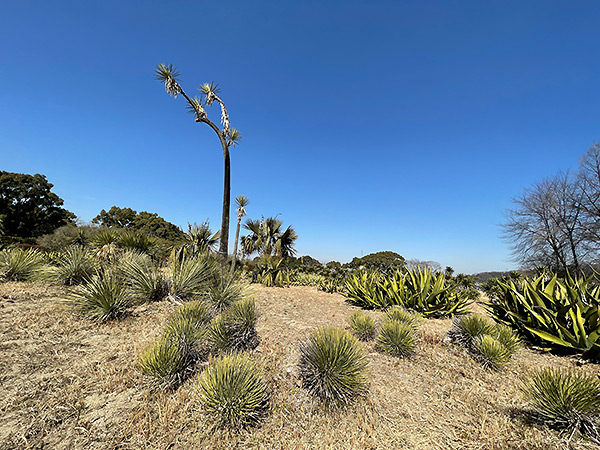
point(149, 223)
point(28, 207)
point(378, 260)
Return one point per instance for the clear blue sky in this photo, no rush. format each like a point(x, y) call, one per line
point(380, 125)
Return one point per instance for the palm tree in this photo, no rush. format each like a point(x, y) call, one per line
point(268, 238)
point(241, 202)
point(198, 239)
point(228, 136)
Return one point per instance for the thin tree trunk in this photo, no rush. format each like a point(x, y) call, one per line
point(235, 245)
point(223, 247)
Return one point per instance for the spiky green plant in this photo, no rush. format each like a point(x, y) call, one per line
point(397, 338)
point(189, 277)
point(490, 352)
point(566, 399)
point(399, 314)
point(162, 363)
point(20, 265)
point(333, 366)
point(73, 266)
point(226, 288)
point(466, 329)
point(102, 298)
point(362, 325)
point(145, 279)
point(197, 311)
point(137, 241)
point(233, 391)
point(235, 328)
point(508, 338)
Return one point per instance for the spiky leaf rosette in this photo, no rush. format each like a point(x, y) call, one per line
point(362, 325)
point(71, 267)
point(145, 279)
point(189, 277)
point(235, 328)
point(164, 363)
point(104, 297)
point(399, 314)
point(233, 392)
point(566, 399)
point(19, 265)
point(466, 329)
point(508, 338)
point(333, 366)
point(491, 353)
point(167, 74)
point(397, 338)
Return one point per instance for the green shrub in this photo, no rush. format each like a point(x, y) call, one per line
point(74, 266)
point(189, 277)
point(271, 272)
point(235, 328)
point(137, 241)
point(226, 289)
point(333, 366)
point(146, 281)
point(397, 338)
point(490, 353)
point(566, 399)
point(102, 298)
point(20, 265)
point(233, 392)
point(197, 311)
point(362, 325)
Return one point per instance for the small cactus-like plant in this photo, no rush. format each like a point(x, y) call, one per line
point(235, 328)
point(362, 325)
point(490, 352)
point(333, 366)
point(567, 400)
point(397, 338)
point(466, 329)
point(102, 298)
point(20, 265)
point(399, 314)
point(233, 392)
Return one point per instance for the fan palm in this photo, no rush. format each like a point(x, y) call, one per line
point(228, 136)
point(268, 238)
point(241, 202)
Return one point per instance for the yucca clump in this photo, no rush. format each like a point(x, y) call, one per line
point(226, 289)
point(233, 392)
point(197, 311)
point(146, 281)
point(102, 298)
point(399, 314)
point(397, 338)
point(20, 265)
point(566, 399)
point(163, 362)
point(189, 277)
point(333, 366)
point(235, 328)
point(74, 266)
point(491, 344)
point(466, 329)
point(362, 325)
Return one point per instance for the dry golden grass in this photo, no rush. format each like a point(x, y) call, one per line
point(67, 383)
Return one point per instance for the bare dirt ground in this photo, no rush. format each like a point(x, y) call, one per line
point(66, 383)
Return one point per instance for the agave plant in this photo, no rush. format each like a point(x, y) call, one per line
point(559, 314)
point(362, 325)
point(20, 265)
point(233, 392)
point(397, 338)
point(567, 400)
point(271, 272)
point(399, 314)
point(333, 366)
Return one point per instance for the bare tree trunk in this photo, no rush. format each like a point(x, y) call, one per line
point(223, 247)
point(235, 245)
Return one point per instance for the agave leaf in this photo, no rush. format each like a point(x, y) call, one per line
point(549, 337)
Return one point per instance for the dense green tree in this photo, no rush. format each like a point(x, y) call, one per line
point(28, 206)
point(148, 223)
point(379, 260)
point(228, 136)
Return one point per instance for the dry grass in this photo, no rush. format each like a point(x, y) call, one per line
point(69, 384)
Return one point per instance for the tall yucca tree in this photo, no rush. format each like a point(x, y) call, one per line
point(241, 201)
point(228, 136)
point(268, 238)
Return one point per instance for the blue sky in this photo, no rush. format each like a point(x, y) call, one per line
point(368, 126)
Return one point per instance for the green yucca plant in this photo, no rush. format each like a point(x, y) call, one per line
point(508, 338)
point(102, 298)
point(397, 338)
point(198, 311)
point(145, 279)
point(399, 314)
point(566, 399)
point(189, 277)
point(466, 329)
point(333, 366)
point(20, 265)
point(490, 352)
point(73, 266)
point(235, 328)
point(136, 241)
point(362, 325)
point(561, 314)
point(233, 392)
point(271, 272)
point(226, 289)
